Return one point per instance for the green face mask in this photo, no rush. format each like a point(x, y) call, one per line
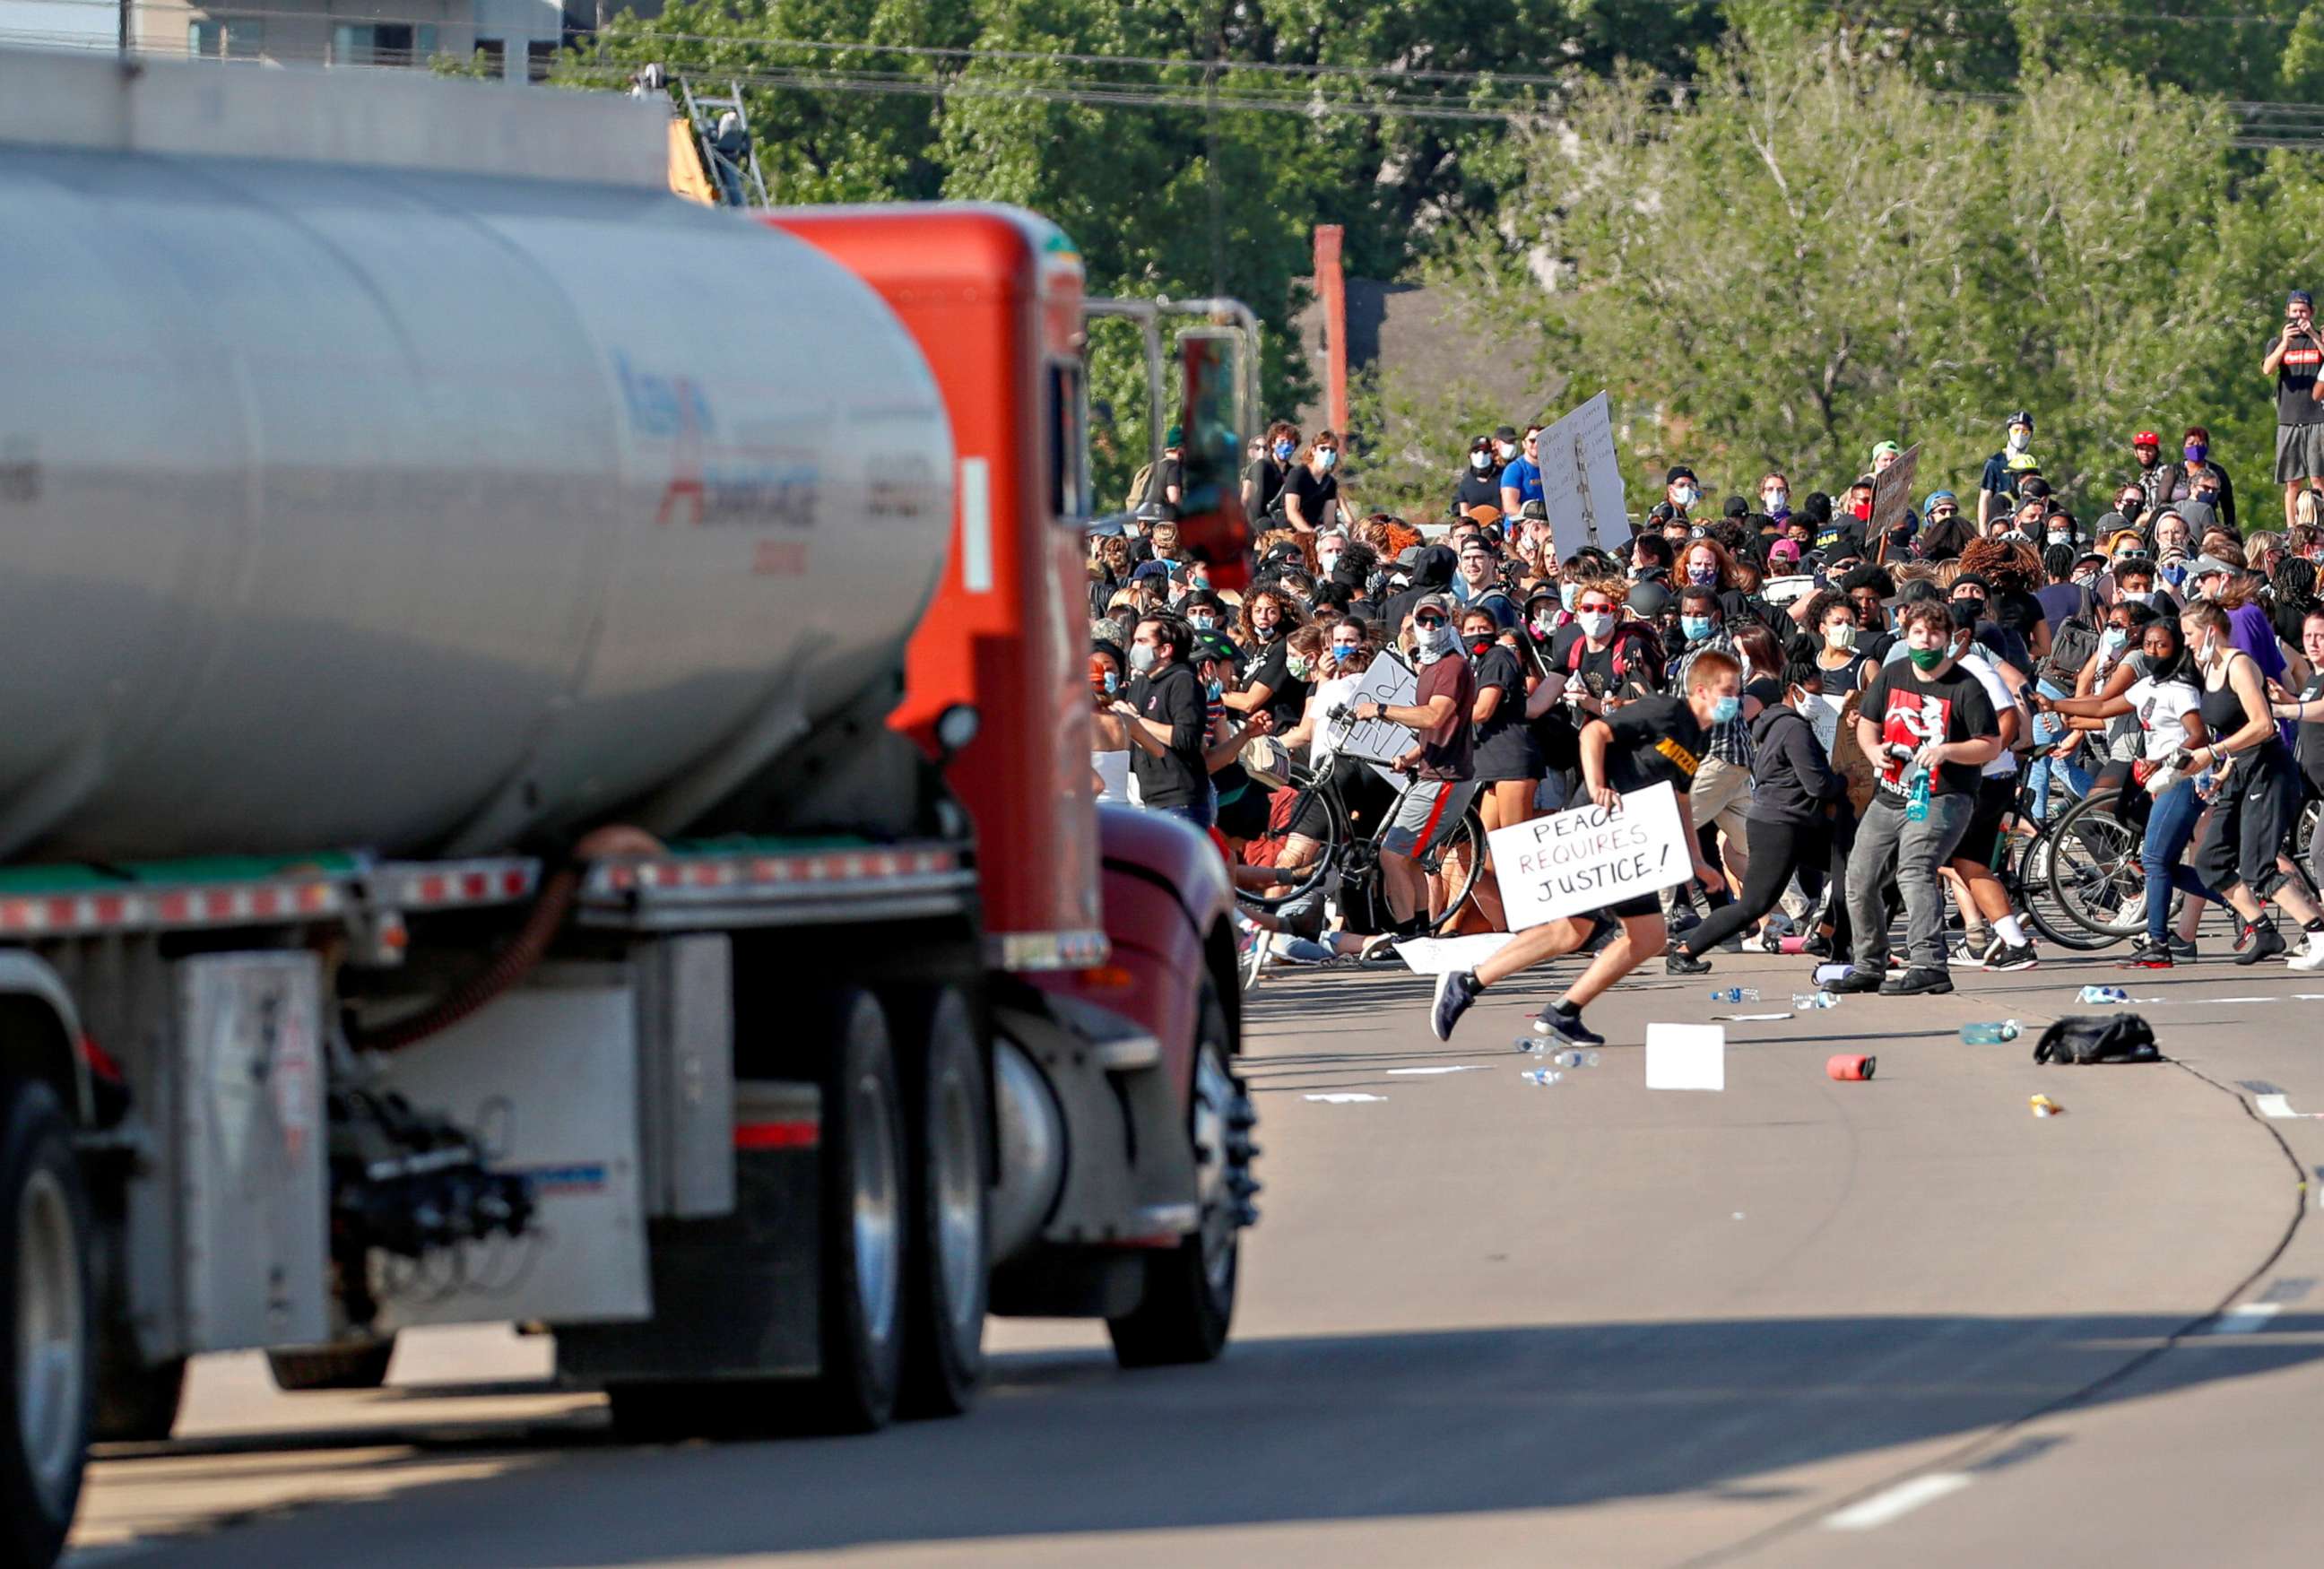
point(1926, 659)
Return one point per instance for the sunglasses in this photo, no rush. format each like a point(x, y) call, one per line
point(1428, 620)
point(1594, 607)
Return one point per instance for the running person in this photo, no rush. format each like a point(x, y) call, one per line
point(1656, 740)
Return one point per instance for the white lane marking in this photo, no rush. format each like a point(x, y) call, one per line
point(1345, 1098)
point(2246, 1318)
point(1417, 1072)
point(1901, 1500)
point(1749, 1018)
point(2280, 1106)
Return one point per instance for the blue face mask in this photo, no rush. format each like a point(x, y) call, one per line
point(1112, 683)
point(1696, 627)
point(1726, 710)
point(1284, 449)
point(1567, 593)
point(1213, 691)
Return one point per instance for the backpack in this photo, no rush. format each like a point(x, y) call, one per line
point(2089, 1038)
point(1650, 652)
point(1140, 483)
point(2070, 648)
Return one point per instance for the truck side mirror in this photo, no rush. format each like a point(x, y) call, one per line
point(1213, 422)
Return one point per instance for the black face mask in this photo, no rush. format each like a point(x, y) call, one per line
point(1479, 645)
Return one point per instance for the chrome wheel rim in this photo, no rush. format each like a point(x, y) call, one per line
point(959, 1192)
point(1214, 1095)
point(50, 1325)
point(878, 1235)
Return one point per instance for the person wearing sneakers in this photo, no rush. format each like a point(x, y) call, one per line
point(1656, 740)
point(1920, 715)
point(1442, 758)
point(2257, 800)
point(1981, 843)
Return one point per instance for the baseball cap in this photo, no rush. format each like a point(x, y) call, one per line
point(1150, 569)
point(1865, 481)
point(2146, 438)
point(1441, 604)
point(1482, 444)
point(1678, 471)
point(1505, 433)
point(2300, 297)
point(1786, 550)
point(1175, 436)
point(1886, 449)
point(1409, 556)
point(1737, 507)
point(1537, 510)
point(2205, 565)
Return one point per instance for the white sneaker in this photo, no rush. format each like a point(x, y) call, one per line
point(2313, 959)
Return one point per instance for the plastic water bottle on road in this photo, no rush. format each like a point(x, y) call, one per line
point(1993, 1034)
point(1805, 1000)
point(1574, 1057)
point(2105, 994)
point(1736, 994)
point(1543, 1076)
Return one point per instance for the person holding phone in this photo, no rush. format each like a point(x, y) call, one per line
point(2294, 359)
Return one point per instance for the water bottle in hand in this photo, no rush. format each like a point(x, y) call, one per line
point(1916, 797)
point(1998, 1034)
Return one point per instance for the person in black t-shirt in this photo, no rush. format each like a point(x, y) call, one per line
point(1481, 480)
point(2294, 360)
point(1507, 759)
point(2307, 749)
point(1921, 715)
point(1168, 722)
point(1262, 482)
point(1311, 492)
point(1656, 740)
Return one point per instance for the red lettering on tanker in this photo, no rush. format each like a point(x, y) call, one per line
point(717, 483)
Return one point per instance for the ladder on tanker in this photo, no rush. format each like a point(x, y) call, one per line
point(733, 170)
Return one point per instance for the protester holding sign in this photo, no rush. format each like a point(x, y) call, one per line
point(1656, 740)
point(1441, 761)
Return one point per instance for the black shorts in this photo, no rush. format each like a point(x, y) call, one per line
point(1631, 908)
point(1980, 842)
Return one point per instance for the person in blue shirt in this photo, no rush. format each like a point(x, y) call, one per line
point(1521, 480)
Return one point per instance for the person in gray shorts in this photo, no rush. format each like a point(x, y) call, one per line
point(2294, 358)
point(1442, 758)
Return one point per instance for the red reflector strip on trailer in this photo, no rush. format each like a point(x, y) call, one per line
point(62, 915)
point(804, 1135)
point(766, 871)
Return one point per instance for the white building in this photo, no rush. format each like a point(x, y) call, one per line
point(516, 40)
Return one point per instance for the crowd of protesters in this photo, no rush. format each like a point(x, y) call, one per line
point(1856, 711)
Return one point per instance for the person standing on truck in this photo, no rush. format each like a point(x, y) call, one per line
point(1167, 711)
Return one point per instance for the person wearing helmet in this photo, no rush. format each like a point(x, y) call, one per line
point(2004, 468)
point(1947, 533)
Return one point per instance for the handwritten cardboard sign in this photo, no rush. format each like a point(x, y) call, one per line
point(1588, 858)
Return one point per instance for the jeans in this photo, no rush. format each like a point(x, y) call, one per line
point(1204, 814)
point(2048, 732)
point(1891, 847)
point(2170, 826)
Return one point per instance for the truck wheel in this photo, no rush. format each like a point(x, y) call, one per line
point(136, 1401)
point(361, 1365)
point(951, 1154)
point(46, 1326)
point(1189, 1290)
point(865, 1220)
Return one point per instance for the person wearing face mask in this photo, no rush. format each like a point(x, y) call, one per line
point(2307, 711)
point(1996, 488)
point(1681, 490)
point(1947, 533)
point(1608, 661)
point(2294, 359)
point(1722, 783)
point(1797, 820)
point(1509, 761)
point(1842, 665)
point(1776, 497)
point(1919, 716)
point(1480, 484)
point(2196, 478)
point(2152, 479)
point(1442, 760)
point(1167, 725)
point(1994, 937)
point(1279, 680)
point(1109, 731)
point(2257, 797)
point(1521, 475)
point(1262, 482)
point(1311, 492)
point(1655, 741)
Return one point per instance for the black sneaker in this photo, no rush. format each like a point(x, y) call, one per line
point(1817, 944)
point(2147, 957)
point(1681, 963)
point(2183, 949)
point(1855, 983)
point(1455, 990)
point(2008, 958)
point(1915, 982)
point(1566, 1028)
point(2265, 943)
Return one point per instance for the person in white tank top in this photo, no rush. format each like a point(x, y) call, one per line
point(1109, 742)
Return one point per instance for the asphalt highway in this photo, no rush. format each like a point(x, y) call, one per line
point(1792, 1322)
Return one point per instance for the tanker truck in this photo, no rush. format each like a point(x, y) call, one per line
point(476, 842)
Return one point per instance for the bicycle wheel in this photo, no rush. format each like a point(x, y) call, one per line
point(1464, 849)
point(1315, 794)
point(2095, 875)
point(2028, 882)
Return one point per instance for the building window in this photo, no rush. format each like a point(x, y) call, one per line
point(227, 38)
point(385, 44)
point(539, 56)
point(492, 54)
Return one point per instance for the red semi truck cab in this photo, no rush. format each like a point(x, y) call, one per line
point(993, 295)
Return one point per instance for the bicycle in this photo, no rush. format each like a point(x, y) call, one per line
point(1354, 858)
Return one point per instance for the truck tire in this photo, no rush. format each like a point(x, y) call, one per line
point(47, 1326)
point(359, 1365)
point(136, 1401)
point(1189, 1304)
point(951, 1156)
point(866, 1232)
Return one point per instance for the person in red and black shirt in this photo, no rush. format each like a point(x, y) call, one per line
point(2294, 360)
point(1442, 760)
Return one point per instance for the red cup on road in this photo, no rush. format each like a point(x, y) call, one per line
point(1848, 1067)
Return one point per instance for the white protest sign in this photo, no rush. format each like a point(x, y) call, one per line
point(1589, 858)
point(1387, 679)
point(1582, 479)
point(1823, 714)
